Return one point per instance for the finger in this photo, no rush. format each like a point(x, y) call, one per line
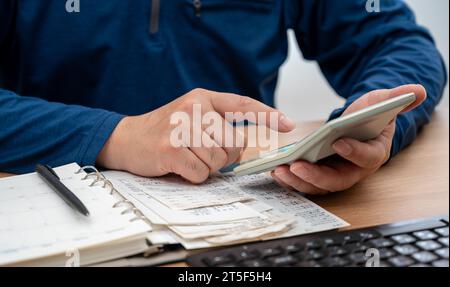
point(284, 175)
point(186, 164)
point(340, 177)
point(280, 182)
point(225, 103)
point(227, 137)
point(378, 96)
point(370, 154)
point(215, 157)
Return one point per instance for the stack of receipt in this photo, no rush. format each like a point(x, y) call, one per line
point(222, 211)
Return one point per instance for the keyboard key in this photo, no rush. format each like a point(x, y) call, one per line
point(282, 260)
point(421, 265)
point(308, 264)
point(386, 253)
point(425, 235)
point(228, 265)
point(218, 260)
point(311, 245)
point(407, 249)
point(333, 241)
point(247, 255)
point(424, 257)
point(440, 263)
point(382, 242)
point(352, 238)
point(335, 262)
point(311, 255)
point(401, 261)
point(293, 248)
point(337, 251)
point(358, 258)
point(428, 245)
point(442, 231)
point(358, 247)
point(254, 263)
point(442, 252)
point(444, 241)
point(403, 239)
point(269, 252)
point(369, 234)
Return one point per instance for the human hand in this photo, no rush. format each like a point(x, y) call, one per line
point(142, 144)
point(357, 159)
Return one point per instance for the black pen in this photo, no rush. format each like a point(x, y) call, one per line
point(53, 180)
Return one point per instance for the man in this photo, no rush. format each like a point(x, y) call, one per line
point(96, 82)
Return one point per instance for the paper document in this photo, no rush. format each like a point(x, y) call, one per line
point(205, 215)
point(224, 210)
point(176, 194)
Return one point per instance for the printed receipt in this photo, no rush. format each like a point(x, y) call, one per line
point(224, 210)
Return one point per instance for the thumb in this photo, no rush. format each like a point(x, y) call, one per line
point(378, 96)
point(245, 108)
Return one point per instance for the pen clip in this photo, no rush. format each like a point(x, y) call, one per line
point(51, 170)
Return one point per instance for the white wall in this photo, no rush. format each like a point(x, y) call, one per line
point(303, 94)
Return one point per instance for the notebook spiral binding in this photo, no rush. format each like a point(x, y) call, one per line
point(98, 177)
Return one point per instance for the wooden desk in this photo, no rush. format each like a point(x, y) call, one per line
point(413, 185)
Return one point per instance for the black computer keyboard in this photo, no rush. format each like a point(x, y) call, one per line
point(409, 244)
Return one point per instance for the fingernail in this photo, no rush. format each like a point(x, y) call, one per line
point(342, 147)
point(278, 173)
point(287, 123)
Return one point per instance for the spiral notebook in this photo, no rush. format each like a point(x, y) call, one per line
point(38, 228)
point(131, 214)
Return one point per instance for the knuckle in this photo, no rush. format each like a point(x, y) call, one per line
point(245, 101)
point(219, 157)
point(374, 161)
point(233, 154)
point(197, 91)
point(191, 165)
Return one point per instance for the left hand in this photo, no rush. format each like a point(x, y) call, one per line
point(357, 159)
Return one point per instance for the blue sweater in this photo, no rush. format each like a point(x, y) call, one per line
point(67, 79)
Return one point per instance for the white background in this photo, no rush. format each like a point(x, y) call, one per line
point(303, 94)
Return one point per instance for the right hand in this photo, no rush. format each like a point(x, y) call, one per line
point(141, 144)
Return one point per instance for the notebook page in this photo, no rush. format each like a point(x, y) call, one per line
point(36, 222)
